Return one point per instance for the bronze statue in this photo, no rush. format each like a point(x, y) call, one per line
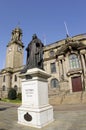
point(34, 54)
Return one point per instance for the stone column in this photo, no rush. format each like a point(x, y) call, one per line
point(60, 69)
point(83, 70)
point(85, 60)
point(83, 63)
point(64, 68)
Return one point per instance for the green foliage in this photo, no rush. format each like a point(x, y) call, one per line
point(19, 96)
point(12, 94)
point(11, 101)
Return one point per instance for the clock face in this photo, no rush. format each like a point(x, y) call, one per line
point(9, 49)
point(20, 48)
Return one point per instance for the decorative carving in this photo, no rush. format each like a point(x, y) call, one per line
point(16, 34)
point(69, 40)
point(27, 117)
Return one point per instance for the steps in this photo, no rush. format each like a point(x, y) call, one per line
point(68, 98)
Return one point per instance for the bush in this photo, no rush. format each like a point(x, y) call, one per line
point(19, 96)
point(12, 94)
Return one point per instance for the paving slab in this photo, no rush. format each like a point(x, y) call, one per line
point(66, 117)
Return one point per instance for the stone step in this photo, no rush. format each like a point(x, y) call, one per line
point(84, 97)
point(68, 98)
point(72, 98)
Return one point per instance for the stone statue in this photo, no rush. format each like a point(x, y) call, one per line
point(34, 54)
point(16, 34)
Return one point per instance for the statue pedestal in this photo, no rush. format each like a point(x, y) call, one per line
point(35, 110)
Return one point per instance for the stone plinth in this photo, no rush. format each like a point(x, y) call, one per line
point(35, 110)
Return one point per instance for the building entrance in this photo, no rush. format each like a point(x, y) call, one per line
point(76, 84)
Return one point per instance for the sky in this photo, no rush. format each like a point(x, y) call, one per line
point(44, 17)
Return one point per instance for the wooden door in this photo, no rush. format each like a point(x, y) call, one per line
point(76, 84)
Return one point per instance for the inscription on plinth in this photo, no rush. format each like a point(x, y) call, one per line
point(28, 93)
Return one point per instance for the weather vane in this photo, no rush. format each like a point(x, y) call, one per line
point(18, 24)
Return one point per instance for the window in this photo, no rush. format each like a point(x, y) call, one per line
point(53, 67)
point(15, 87)
point(51, 53)
point(74, 61)
point(15, 78)
point(54, 83)
point(3, 88)
point(4, 78)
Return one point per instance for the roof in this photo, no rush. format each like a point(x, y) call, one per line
point(70, 44)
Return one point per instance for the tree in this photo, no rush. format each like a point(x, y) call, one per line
point(12, 94)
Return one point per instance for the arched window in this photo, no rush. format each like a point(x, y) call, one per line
point(3, 88)
point(15, 78)
point(52, 53)
point(74, 61)
point(15, 87)
point(54, 83)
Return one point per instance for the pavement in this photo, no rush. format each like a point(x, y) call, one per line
point(66, 117)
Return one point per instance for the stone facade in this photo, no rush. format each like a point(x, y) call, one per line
point(65, 60)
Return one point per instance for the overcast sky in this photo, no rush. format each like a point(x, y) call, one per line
point(43, 17)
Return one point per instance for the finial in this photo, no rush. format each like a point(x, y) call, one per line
point(18, 24)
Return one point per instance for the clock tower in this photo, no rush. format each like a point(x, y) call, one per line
point(14, 55)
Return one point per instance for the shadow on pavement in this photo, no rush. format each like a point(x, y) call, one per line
point(2, 109)
point(2, 129)
point(5, 108)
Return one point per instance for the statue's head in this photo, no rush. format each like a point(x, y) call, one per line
point(34, 36)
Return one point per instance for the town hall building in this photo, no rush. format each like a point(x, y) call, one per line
point(65, 60)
